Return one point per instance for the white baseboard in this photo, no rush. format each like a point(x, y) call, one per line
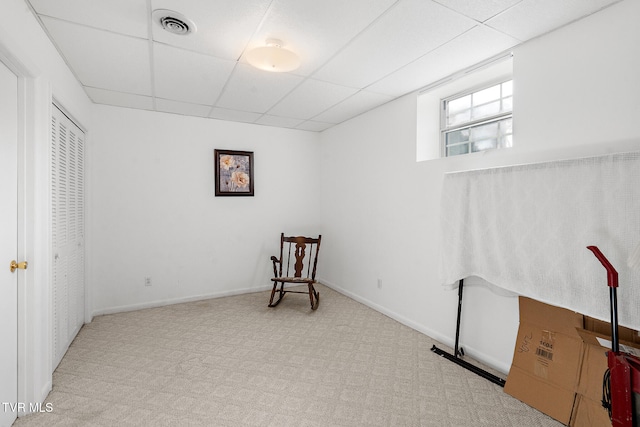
point(38, 401)
point(161, 303)
point(444, 339)
point(45, 390)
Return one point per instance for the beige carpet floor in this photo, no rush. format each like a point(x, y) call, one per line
point(235, 362)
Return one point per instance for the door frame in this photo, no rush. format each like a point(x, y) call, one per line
point(34, 307)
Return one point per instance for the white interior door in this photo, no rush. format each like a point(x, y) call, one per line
point(8, 245)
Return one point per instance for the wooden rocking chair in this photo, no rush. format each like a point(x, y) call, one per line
point(301, 259)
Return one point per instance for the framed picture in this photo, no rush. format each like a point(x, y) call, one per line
point(234, 172)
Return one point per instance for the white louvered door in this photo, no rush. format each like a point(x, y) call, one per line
point(67, 192)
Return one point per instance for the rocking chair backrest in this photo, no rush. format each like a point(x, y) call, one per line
point(301, 256)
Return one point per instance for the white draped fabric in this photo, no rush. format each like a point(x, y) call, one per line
point(526, 228)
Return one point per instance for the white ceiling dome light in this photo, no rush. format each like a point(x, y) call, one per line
point(273, 57)
point(174, 22)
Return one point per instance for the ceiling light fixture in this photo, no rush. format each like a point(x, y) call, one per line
point(273, 57)
point(174, 22)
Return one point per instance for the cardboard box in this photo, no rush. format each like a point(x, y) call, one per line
point(547, 359)
point(594, 365)
point(559, 362)
point(602, 327)
point(588, 410)
point(589, 413)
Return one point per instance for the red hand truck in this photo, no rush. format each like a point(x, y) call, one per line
point(621, 388)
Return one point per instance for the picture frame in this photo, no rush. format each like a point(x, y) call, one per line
point(233, 173)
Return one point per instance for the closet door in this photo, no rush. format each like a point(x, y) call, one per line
point(67, 192)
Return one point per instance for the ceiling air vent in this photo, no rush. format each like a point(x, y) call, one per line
point(174, 22)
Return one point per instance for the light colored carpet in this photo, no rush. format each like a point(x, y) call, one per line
point(235, 362)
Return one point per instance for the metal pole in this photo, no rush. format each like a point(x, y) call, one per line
point(456, 348)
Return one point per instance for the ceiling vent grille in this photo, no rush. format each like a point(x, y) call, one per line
point(174, 22)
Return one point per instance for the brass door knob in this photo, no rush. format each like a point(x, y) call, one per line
point(21, 265)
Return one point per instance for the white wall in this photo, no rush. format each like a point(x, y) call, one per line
point(27, 49)
point(576, 94)
point(154, 214)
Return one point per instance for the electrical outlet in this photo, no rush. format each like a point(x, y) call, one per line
point(147, 281)
point(379, 283)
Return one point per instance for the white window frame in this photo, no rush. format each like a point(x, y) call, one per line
point(444, 129)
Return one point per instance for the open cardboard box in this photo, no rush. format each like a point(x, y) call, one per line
point(546, 359)
point(588, 410)
point(559, 362)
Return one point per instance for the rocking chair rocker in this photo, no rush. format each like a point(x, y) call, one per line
point(301, 260)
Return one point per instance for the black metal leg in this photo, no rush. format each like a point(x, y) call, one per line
point(459, 352)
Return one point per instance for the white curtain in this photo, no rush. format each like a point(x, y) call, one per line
point(526, 228)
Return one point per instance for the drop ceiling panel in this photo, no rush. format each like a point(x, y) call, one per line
point(284, 122)
point(186, 76)
point(108, 97)
point(352, 106)
point(234, 115)
point(310, 99)
point(103, 59)
point(464, 51)
point(314, 126)
point(408, 31)
point(479, 10)
point(255, 90)
point(531, 18)
point(183, 108)
point(120, 16)
point(223, 27)
point(352, 51)
point(314, 30)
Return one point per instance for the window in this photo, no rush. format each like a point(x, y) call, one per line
point(476, 121)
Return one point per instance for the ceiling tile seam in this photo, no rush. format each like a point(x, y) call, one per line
point(354, 38)
point(181, 114)
point(456, 11)
point(555, 28)
point(267, 12)
point(298, 126)
point(260, 117)
point(359, 113)
point(420, 57)
point(503, 11)
point(470, 17)
point(224, 88)
point(152, 74)
point(260, 114)
point(600, 9)
point(116, 91)
point(237, 61)
point(197, 52)
point(235, 111)
point(257, 29)
point(46, 31)
point(284, 117)
point(337, 103)
point(104, 30)
point(183, 102)
point(338, 51)
point(486, 24)
point(305, 79)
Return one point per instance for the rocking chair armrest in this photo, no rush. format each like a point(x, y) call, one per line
point(276, 261)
